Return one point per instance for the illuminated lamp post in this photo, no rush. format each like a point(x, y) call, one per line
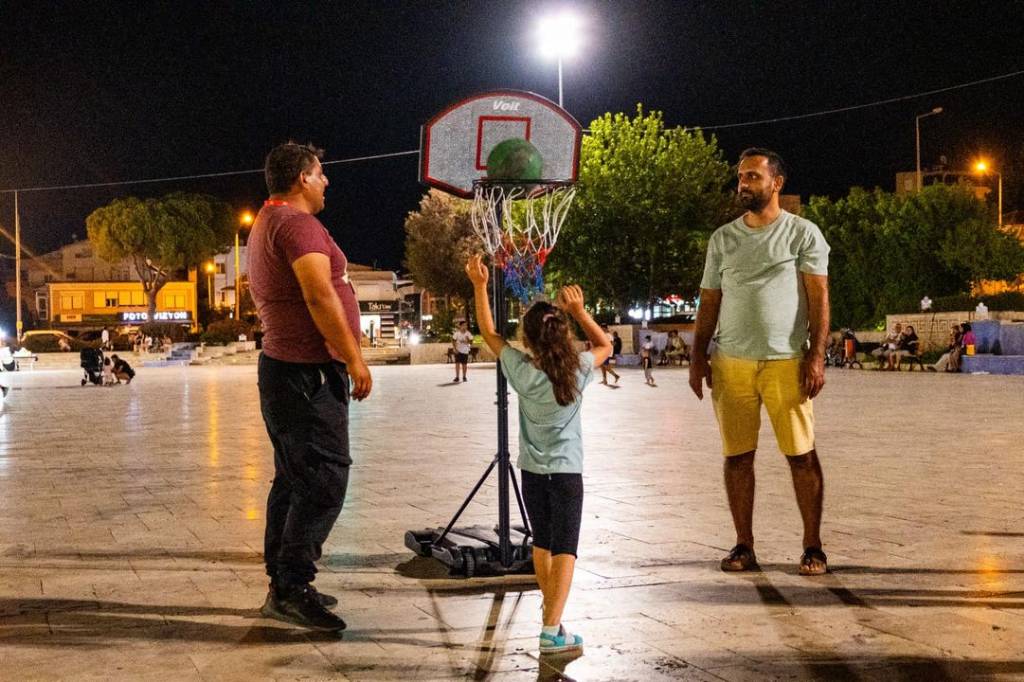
point(245, 220)
point(210, 268)
point(982, 168)
point(559, 37)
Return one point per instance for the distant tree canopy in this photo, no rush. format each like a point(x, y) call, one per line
point(439, 239)
point(890, 250)
point(648, 198)
point(161, 236)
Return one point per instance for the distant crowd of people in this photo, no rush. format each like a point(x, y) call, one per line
point(961, 342)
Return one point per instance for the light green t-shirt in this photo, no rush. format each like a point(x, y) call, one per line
point(764, 303)
point(550, 437)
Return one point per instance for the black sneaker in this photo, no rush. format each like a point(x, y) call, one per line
point(304, 609)
point(326, 600)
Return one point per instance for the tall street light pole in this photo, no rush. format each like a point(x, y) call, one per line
point(17, 267)
point(559, 37)
point(210, 267)
point(245, 220)
point(917, 137)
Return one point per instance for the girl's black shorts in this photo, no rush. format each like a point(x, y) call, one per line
point(554, 503)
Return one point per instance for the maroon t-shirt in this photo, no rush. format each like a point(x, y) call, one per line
point(281, 235)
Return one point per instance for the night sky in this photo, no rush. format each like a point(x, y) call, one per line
point(98, 92)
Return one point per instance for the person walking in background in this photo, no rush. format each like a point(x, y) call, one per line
point(606, 366)
point(616, 347)
point(549, 380)
point(462, 344)
point(647, 360)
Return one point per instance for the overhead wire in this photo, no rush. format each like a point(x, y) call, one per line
point(854, 107)
point(372, 157)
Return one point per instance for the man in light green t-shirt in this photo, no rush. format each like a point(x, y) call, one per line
point(764, 298)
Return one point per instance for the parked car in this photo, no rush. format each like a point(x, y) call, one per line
point(48, 341)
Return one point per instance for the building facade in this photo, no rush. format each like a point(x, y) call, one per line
point(90, 305)
point(72, 288)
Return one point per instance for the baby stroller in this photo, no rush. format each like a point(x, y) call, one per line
point(92, 365)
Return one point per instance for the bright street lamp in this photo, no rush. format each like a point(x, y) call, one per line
point(559, 37)
point(244, 220)
point(917, 131)
point(210, 268)
point(982, 168)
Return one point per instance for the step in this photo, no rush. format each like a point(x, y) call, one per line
point(165, 363)
point(992, 364)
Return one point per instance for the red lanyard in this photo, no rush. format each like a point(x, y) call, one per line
point(275, 202)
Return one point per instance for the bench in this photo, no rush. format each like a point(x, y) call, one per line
point(31, 359)
point(909, 360)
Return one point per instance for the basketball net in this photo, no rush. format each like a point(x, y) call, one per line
point(518, 224)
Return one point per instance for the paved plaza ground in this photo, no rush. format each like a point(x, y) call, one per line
point(131, 523)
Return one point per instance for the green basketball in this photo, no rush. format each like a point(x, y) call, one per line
point(515, 159)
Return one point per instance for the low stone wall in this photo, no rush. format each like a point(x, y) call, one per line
point(933, 328)
point(437, 354)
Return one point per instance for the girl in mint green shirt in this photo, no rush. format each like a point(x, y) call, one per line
point(549, 381)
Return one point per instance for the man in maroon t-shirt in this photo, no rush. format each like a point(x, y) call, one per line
point(299, 281)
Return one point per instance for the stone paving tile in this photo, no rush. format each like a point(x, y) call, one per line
point(131, 523)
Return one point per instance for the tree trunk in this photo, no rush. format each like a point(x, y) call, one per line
point(153, 280)
point(150, 304)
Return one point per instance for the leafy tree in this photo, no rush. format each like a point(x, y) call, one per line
point(889, 250)
point(647, 200)
point(161, 236)
point(439, 239)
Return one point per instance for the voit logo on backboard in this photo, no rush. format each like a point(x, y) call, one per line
point(158, 316)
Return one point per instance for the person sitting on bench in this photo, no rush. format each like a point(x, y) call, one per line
point(675, 349)
point(906, 346)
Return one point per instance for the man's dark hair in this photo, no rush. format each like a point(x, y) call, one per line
point(286, 162)
point(775, 162)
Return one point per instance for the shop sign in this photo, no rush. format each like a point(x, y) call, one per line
point(378, 306)
point(158, 316)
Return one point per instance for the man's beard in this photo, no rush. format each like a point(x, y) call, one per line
point(752, 202)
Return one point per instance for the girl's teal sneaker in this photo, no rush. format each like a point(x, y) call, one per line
point(561, 642)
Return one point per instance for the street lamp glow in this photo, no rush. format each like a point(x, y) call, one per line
point(559, 35)
point(981, 167)
point(210, 267)
point(245, 219)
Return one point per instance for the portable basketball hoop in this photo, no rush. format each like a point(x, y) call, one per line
point(518, 224)
point(496, 149)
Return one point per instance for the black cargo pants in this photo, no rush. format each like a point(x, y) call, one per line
point(305, 409)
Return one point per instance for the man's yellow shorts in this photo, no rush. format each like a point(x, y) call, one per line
point(739, 388)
